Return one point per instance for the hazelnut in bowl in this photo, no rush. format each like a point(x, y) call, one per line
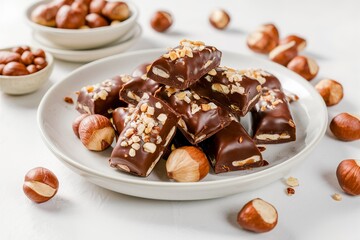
point(24, 69)
point(81, 24)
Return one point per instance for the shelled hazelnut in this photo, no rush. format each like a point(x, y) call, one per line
point(330, 90)
point(300, 42)
point(187, 164)
point(345, 127)
point(304, 66)
point(261, 42)
point(40, 184)
point(283, 54)
point(161, 21)
point(348, 175)
point(258, 216)
point(219, 19)
point(271, 30)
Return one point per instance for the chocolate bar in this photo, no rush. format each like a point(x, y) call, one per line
point(184, 65)
point(119, 116)
point(133, 90)
point(200, 117)
point(272, 120)
point(147, 132)
point(102, 98)
point(229, 88)
point(232, 149)
point(266, 79)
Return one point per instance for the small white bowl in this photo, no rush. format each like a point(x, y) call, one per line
point(19, 85)
point(77, 39)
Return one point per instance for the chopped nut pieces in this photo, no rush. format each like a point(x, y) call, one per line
point(290, 191)
point(69, 100)
point(336, 197)
point(292, 182)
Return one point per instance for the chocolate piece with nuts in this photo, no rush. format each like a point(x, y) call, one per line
point(200, 117)
point(272, 120)
point(266, 79)
point(229, 88)
point(232, 149)
point(148, 131)
point(184, 65)
point(102, 98)
point(119, 115)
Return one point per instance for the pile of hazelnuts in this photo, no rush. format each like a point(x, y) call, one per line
point(80, 14)
point(22, 61)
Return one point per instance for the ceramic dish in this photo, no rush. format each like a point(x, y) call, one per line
point(82, 38)
point(19, 85)
point(89, 55)
point(55, 119)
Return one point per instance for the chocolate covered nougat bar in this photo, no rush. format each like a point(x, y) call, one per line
point(229, 88)
point(232, 149)
point(185, 64)
point(272, 120)
point(200, 117)
point(148, 131)
point(102, 98)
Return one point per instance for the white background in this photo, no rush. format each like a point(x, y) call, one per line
point(82, 210)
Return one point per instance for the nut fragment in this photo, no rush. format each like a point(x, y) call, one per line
point(330, 90)
point(258, 216)
point(261, 42)
point(345, 127)
point(336, 197)
point(290, 191)
point(161, 21)
point(219, 19)
point(304, 66)
point(187, 164)
point(40, 185)
point(292, 182)
point(300, 42)
point(96, 132)
point(283, 54)
point(348, 175)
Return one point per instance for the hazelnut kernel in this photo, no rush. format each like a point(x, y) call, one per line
point(304, 66)
point(40, 185)
point(330, 90)
point(219, 19)
point(161, 21)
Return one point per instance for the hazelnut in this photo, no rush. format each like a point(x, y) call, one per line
point(258, 216)
point(45, 14)
point(70, 18)
point(18, 50)
point(96, 6)
point(6, 57)
point(348, 175)
point(60, 3)
point(27, 57)
point(14, 69)
point(161, 21)
point(86, 2)
point(300, 42)
point(283, 54)
point(116, 11)
point(270, 29)
point(39, 53)
point(82, 7)
point(261, 42)
point(345, 127)
point(31, 68)
point(304, 66)
point(40, 63)
point(40, 185)
point(330, 90)
point(219, 19)
point(187, 164)
point(94, 20)
point(76, 123)
point(1, 68)
point(96, 132)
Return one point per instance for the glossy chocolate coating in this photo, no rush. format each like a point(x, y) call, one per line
point(272, 119)
point(133, 90)
point(101, 98)
point(184, 65)
point(229, 88)
point(232, 149)
point(119, 115)
point(200, 118)
point(147, 133)
point(266, 79)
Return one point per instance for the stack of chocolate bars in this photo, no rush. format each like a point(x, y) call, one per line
point(186, 98)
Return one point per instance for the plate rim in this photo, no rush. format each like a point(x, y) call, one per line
point(142, 181)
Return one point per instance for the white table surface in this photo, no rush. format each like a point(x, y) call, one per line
point(81, 210)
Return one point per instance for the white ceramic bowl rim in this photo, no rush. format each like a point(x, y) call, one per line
point(134, 15)
point(249, 177)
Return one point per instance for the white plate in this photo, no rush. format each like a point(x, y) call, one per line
point(118, 46)
point(55, 119)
